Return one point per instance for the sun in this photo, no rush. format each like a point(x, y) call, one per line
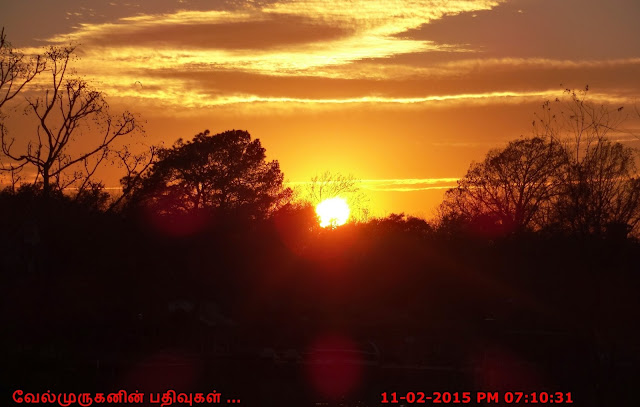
point(333, 212)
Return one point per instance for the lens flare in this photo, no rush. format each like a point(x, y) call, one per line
point(333, 212)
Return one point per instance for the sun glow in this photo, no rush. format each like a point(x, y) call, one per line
point(333, 212)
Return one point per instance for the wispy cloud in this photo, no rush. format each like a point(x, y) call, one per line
point(176, 95)
point(398, 184)
point(469, 66)
point(408, 184)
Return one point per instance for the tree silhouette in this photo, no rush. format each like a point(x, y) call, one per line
point(570, 176)
point(601, 190)
point(16, 71)
point(513, 186)
point(329, 185)
point(227, 171)
point(136, 165)
point(576, 122)
point(68, 114)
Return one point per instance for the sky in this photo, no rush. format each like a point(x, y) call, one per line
point(402, 94)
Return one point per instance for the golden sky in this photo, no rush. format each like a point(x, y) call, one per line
point(402, 94)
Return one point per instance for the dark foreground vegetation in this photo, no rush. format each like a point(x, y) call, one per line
point(95, 301)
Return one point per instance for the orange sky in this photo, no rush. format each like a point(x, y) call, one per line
point(403, 94)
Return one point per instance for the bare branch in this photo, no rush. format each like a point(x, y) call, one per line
point(66, 111)
point(16, 70)
point(136, 167)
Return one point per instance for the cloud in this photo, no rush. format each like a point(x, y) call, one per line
point(475, 66)
point(193, 100)
point(399, 184)
point(380, 18)
point(216, 58)
point(408, 184)
point(292, 37)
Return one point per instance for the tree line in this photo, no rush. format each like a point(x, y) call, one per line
point(568, 177)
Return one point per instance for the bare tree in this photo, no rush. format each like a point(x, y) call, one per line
point(329, 185)
point(514, 186)
point(136, 167)
point(569, 176)
point(600, 189)
point(68, 113)
point(601, 193)
point(577, 123)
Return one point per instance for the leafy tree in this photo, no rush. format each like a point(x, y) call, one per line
point(227, 171)
point(513, 186)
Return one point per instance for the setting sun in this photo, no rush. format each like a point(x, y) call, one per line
point(333, 212)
